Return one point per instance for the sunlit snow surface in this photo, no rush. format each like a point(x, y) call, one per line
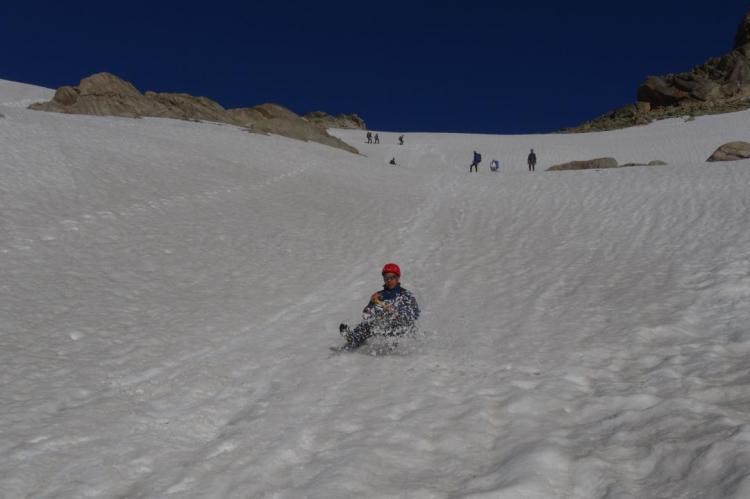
point(170, 291)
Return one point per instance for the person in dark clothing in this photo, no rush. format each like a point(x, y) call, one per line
point(392, 312)
point(532, 161)
point(400, 140)
point(475, 162)
point(369, 137)
point(392, 162)
point(377, 138)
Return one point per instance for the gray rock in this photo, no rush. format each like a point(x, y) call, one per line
point(659, 92)
point(591, 164)
point(731, 151)
point(650, 163)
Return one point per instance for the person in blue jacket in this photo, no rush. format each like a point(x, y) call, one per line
point(475, 162)
point(390, 312)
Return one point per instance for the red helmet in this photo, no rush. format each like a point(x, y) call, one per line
point(391, 268)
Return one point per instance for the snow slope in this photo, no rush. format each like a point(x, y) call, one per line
point(13, 94)
point(170, 290)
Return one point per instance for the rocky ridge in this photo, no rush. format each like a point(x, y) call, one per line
point(720, 85)
point(348, 121)
point(104, 94)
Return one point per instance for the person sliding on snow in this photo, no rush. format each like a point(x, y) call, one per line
point(391, 312)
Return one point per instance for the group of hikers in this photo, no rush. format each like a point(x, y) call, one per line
point(495, 164)
point(371, 138)
point(375, 139)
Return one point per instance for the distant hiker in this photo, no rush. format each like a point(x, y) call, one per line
point(400, 140)
point(391, 312)
point(369, 137)
point(532, 161)
point(393, 162)
point(494, 165)
point(475, 163)
point(377, 138)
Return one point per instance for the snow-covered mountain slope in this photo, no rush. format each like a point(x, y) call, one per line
point(13, 94)
point(170, 290)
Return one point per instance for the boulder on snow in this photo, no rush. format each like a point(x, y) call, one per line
point(590, 164)
point(731, 151)
point(650, 163)
point(104, 94)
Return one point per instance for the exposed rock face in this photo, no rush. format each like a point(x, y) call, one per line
point(186, 107)
point(731, 151)
point(720, 85)
point(105, 94)
point(349, 121)
point(269, 110)
point(742, 39)
point(591, 164)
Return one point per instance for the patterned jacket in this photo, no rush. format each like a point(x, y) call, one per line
point(394, 313)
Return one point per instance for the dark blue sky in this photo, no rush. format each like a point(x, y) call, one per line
point(469, 66)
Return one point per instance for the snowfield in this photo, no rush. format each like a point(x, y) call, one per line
point(170, 291)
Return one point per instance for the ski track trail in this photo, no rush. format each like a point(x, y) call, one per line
point(586, 334)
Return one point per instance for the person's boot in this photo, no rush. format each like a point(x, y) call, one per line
point(346, 333)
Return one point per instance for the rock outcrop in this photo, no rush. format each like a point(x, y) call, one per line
point(348, 121)
point(656, 162)
point(590, 164)
point(720, 85)
point(104, 94)
point(731, 151)
point(598, 164)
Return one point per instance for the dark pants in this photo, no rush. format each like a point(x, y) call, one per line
point(360, 333)
point(531, 166)
point(475, 167)
point(367, 329)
